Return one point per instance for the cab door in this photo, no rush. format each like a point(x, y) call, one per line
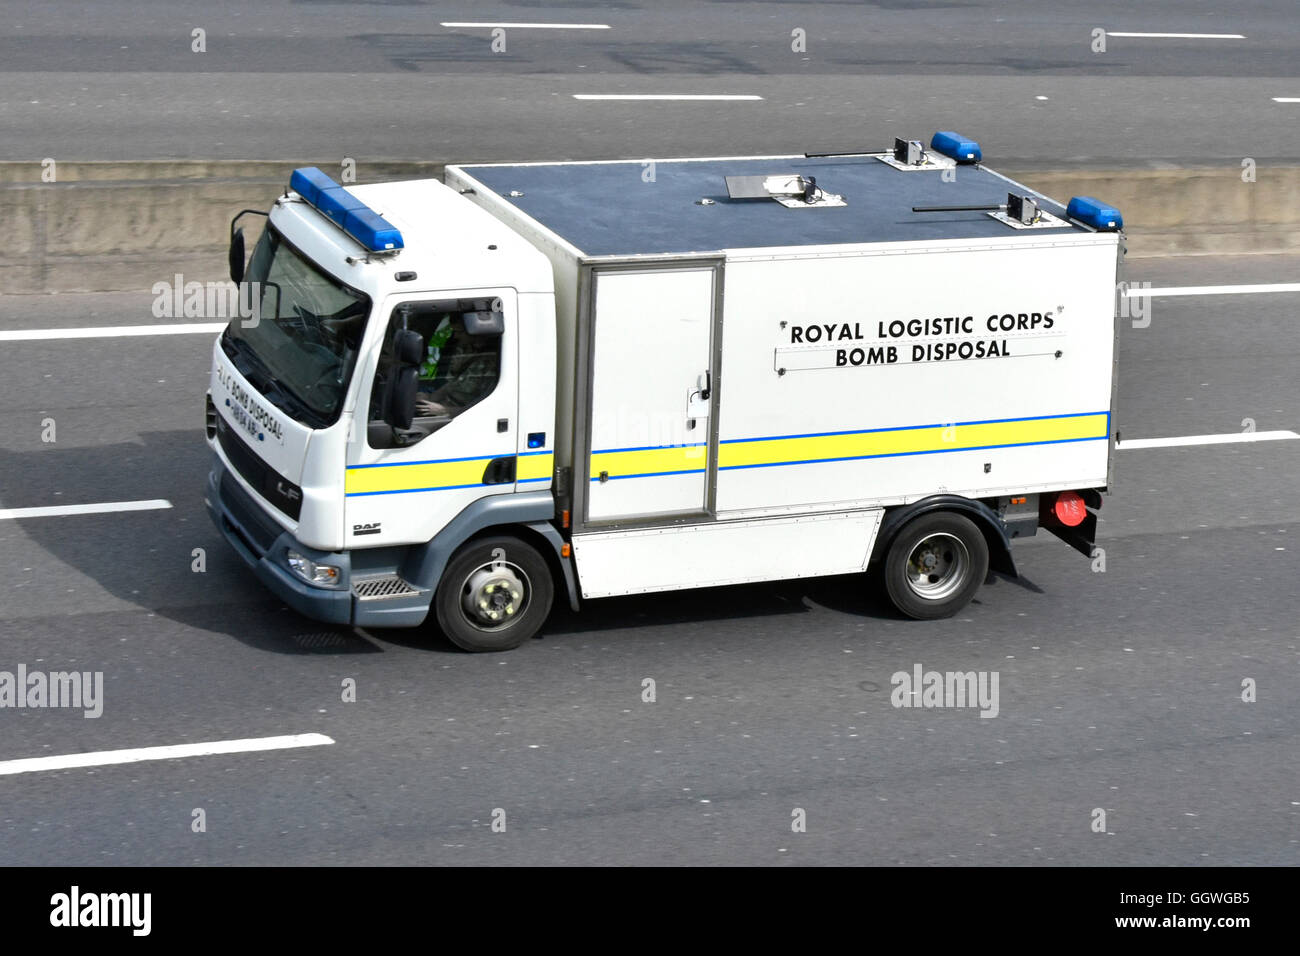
point(403, 485)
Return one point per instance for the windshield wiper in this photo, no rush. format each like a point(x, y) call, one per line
point(282, 396)
point(253, 368)
point(245, 358)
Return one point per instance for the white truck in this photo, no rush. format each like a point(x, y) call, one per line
point(453, 400)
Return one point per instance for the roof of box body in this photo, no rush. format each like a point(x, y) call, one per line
point(610, 209)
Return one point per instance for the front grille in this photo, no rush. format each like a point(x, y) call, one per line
point(271, 485)
point(379, 589)
point(248, 515)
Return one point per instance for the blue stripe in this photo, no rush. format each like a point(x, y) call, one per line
point(432, 461)
point(905, 454)
point(449, 461)
point(407, 491)
point(909, 428)
point(614, 451)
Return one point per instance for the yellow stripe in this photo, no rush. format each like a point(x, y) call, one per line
point(652, 461)
point(909, 441)
point(535, 466)
point(744, 454)
point(443, 474)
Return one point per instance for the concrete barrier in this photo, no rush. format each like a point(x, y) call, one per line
point(104, 227)
point(113, 227)
point(1189, 210)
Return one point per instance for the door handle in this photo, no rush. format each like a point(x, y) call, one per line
point(699, 394)
point(499, 471)
point(703, 388)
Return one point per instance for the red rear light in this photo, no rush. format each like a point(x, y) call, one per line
point(1069, 509)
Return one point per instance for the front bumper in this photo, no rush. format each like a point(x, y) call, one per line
point(262, 545)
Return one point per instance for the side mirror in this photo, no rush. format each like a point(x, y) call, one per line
point(404, 388)
point(236, 256)
point(401, 399)
point(408, 347)
point(485, 323)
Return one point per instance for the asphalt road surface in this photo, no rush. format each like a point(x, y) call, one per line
point(1119, 689)
point(386, 79)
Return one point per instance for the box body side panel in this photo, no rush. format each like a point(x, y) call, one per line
point(721, 553)
point(891, 377)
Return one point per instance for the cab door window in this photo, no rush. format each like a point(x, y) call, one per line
point(461, 367)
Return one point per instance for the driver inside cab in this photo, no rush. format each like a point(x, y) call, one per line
point(460, 371)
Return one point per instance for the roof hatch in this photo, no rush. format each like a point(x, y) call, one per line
point(791, 190)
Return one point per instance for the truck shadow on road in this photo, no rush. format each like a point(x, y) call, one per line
point(174, 564)
point(169, 562)
point(853, 594)
point(772, 605)
point(689, 615)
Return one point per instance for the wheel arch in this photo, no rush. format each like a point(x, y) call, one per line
point(984, 517)
point(548, 542)
point(526, 516)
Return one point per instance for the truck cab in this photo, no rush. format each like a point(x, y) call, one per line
point(373, 396)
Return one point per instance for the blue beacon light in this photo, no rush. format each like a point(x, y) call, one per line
point(955, 146)
point(346, 211)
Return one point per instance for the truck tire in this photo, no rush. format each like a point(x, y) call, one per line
point(494, 595)
point(935, 565)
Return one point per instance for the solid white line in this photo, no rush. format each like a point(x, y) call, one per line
point(1286, 99)
point(1182, 36)
point(103, 758)
point(110, 331)
point(666, 96)
point(106, 507)
point(532, 26)
point(1229, 439)
point(1132, 293)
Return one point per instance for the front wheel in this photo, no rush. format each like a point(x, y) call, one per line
point(935, 565)
point(495, 594)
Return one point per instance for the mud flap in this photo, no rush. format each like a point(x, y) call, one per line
point(1083, 536)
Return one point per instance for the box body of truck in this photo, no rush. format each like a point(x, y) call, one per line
point(750, 385)
point(698, 373)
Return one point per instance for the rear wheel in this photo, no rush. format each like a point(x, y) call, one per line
point(495, 594)
point(935, 565)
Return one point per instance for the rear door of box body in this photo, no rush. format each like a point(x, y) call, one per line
point(649, 430)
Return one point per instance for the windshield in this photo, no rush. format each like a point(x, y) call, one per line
point(299, 349)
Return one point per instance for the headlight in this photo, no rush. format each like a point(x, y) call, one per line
point(310, 571)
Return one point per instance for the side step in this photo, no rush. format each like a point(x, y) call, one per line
point(385, 588)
